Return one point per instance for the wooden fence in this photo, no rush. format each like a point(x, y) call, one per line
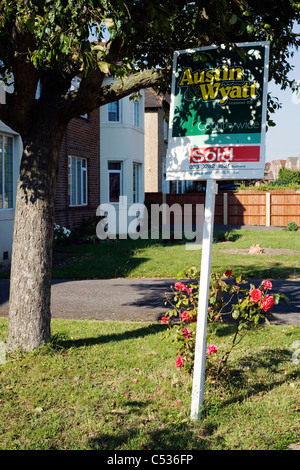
point(248, 207)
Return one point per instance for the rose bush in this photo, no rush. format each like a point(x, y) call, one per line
point(229, 300)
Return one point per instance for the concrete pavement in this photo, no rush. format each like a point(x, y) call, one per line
point(135, 299)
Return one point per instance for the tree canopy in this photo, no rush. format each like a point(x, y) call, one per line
point(53, 41)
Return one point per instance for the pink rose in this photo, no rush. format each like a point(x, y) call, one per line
point(186, 316)
point(180, 286)
point(211, 349)
point(179, 362)
point(186, 333)
point(228, 273)
point(255, 295)
point(268, 303)
point(267, 285)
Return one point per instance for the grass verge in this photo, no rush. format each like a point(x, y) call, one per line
point(156, 258)
point(150, 258)
point(114, 386)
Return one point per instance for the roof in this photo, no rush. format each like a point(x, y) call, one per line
point(154, 100)
point(293, 159)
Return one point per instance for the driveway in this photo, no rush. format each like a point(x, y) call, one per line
point(135, 299)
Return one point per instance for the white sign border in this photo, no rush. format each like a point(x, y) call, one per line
point(254, 170)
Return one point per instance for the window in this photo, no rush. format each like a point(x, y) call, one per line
point(136, 181)
point(75, 84)
point(136, 113)
point(77, 181)
point(114, 112)
point(165, 130)
point(6, 172)
point(114, 181)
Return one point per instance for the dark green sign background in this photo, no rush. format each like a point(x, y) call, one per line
point(218, 73)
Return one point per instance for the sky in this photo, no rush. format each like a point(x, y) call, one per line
point(283, 140)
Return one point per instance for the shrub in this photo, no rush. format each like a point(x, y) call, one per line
point(85, 231)
point(291, 227)
point(229, 300)
point(61, 235)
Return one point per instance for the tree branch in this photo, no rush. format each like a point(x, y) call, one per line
point(92, 94)
point(131, 84)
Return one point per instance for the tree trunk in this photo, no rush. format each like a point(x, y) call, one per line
point(30, 284)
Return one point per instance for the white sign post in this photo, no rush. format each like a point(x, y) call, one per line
point(216, 132)
point(200, 346)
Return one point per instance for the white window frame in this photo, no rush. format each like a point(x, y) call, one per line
point(112, 171)
point(136, 182)
point(2, 182)
point(136, 113)
point(81, 195)
point(114, 103)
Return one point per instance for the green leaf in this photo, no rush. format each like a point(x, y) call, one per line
point(233, 19)
point(104, 67)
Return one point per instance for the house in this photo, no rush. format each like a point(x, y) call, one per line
point(10, 157)
point(275, 167)
point(122, 154)
point(268, 174)
point(291, 163)
point(78, 179)
point(156, 141)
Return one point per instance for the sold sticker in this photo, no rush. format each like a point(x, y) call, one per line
point(224, 154)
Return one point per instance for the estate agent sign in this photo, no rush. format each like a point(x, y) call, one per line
point(218, 113)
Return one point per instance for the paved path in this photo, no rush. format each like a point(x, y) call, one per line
point(135, 299)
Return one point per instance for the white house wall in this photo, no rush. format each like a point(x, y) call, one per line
point(122, 142)
point(7, 215)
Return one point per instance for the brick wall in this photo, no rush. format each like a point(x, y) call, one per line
point(81, 140)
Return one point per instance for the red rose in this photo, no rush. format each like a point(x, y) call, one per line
point(211, 349)
point(268, 303)
point(267, 285)
point(186, 333)
point(180, 286)
point(165, 319)
point(228, 273)
point(186, 316)
point(179, 362)
point(255, 295)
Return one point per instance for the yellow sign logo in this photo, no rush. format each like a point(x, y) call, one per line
point(222, 84)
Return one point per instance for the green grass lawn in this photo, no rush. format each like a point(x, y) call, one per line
point(146, 258)
point(114, 386)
